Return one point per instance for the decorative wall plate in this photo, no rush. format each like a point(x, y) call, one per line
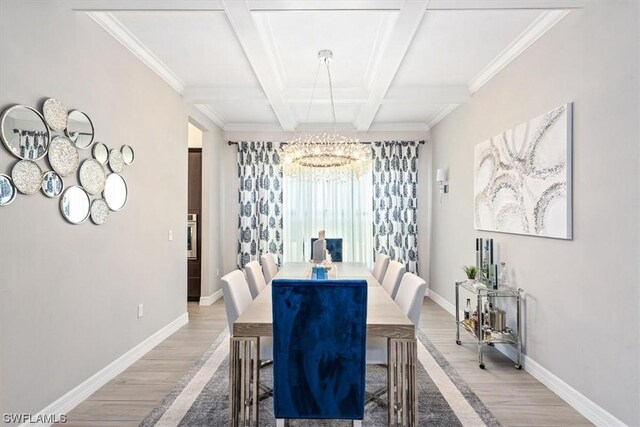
point(7, 190)
point(27, 176)
point(127, 154)
point(99, 211)
point(101, 153)
point(116, 161)
point(115, 192)
point(55, 113)
point(92, 176)
point(80, 129)
point(63, 156)
point(24, 132)
point(75, 205)
point(52, 184)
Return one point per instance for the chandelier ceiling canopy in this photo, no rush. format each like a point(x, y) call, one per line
point(325, 156)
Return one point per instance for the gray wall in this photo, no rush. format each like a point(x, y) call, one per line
point(69, 294)
point(230, 187)
point(581, 295)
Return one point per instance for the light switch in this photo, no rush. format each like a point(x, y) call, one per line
point(170, 235)
point(140, 310)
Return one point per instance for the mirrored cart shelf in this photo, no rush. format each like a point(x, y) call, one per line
point(483, 334)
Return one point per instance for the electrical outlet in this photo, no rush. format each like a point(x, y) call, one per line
point(140, 310)
point(170, 235)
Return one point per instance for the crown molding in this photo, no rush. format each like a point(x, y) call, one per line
point(533, 32)
point(211, 114)
point(252, 127)
point(399, 127)
point(118, 31)
point(441, 114)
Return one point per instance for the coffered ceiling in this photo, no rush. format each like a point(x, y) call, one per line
point(398, 65)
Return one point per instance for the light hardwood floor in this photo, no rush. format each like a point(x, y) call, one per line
point(515, 397)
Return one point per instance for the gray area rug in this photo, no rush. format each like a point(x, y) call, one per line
point(211, 406)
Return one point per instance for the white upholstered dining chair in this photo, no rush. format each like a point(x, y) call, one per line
point(253, 270)
point(380, 267)
point(392, 278)
point(269, 267)
point(410, 298)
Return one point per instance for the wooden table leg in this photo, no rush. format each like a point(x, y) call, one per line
point(244, 359)
point(402, 382)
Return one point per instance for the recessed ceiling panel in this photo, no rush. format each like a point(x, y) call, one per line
point(406, 113)
point(357, 39)
point(452, 47)
point(321, 113)
point(199, 47)
point(245, 112)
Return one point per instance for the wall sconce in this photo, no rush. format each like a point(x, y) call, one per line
point(441, 177)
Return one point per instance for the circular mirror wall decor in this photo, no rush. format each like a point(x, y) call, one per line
point(55, 114)
point(99, 211)
point(27, 176)
point(24, 132)
point(7, 190)
point(92, 176)
point(115, 192)
point(63, 156)
point(52, 184)
point(127, 154)
point(116, 161)
point(75, 205)
point(101, 153)
point(80, 129)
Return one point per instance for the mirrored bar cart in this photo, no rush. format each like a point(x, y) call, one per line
point(488, 323)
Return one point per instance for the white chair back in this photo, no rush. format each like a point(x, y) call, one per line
point(380, 267)
point(236, 294)
point(411, 296)
point(255, 278)
point(269, 267)
point(392, 278)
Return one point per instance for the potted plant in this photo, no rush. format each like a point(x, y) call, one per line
point(470, 271)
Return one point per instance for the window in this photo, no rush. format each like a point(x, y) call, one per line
point(344, 209)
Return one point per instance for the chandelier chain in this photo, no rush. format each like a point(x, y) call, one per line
point(333, 105)
point(315, 82)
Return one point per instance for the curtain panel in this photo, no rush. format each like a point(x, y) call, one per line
point(395, 201)
point(260, 200)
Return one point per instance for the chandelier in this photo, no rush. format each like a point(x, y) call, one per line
point(325, 156)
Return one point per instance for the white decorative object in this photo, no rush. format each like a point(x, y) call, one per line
point(116, 161)
point(92, 176)
point(55, 113)
point(63, 156)
point(27, 176)
point(99, 211)
point(522, 178)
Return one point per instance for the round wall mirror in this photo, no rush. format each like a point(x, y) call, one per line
point(7, 190)
point(116, 161)
point(92, 176)
point(115, 192)
point(127, 154)
point(27, 176)
point(75, 205)
point(99, 211)
point(24, 132)
point(101, 153)
point(52, 184)
point(55, 113)
point(64, 157)
point(80, 129)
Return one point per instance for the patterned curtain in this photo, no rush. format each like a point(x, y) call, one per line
point(395, 201)
point(260, 199)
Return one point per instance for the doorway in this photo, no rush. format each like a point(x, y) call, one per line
point(194, 214)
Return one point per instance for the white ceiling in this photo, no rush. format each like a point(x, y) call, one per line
point(397, 64)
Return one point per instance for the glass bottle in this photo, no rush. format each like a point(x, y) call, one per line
point(467, 310)
point(503, 277)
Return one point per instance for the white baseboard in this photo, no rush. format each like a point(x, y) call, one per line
point(210, 299)
point(590, 410)
point(78, 394)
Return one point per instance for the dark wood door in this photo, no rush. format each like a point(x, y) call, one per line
point(194, 205)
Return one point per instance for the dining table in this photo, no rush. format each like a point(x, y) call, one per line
point(384, 319)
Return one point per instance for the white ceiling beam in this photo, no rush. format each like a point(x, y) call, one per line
point(208, 95)
point(292, 5)
point(245, 29)
point(428, 95)
point(146, 5)
point(402, 35)
point(505, 4)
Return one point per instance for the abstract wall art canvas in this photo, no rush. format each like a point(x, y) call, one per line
point(522, 178)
